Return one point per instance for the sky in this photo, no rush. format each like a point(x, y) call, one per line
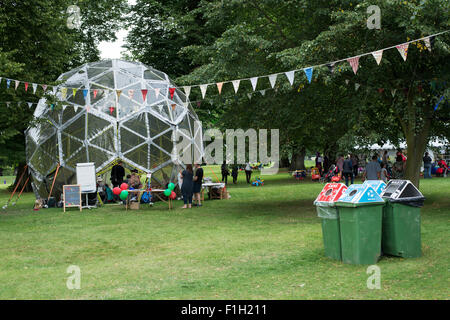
point(112, 50)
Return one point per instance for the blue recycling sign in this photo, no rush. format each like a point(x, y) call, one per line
point(360, 193)
point(377, 185)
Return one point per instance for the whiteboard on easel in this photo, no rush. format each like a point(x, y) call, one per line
point(86, 177)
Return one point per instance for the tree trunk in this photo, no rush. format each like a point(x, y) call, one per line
point(284, 162)
point(20, 169)
point(298, 160)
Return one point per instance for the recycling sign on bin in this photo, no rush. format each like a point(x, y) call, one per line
point(360, 193)
point(330, 193)
point(377, 185)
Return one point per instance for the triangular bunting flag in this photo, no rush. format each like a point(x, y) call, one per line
point(309, 72)
point(63, 93)
point(157, 91)
point(95, 93)
point(130, 94)
point(119, 92)
point(44, 86)
point(171, 91)
point(273, 79)
point(85, 93)
point(75, 107)
point(254, 82)
point(17, 83)
point(74, 92)
point(347, 81)
point(331, 67)
point(429, 42)
point(290, 76)
point(236, 85)
point(30, 104)
point(263, 92)
point(88, 109)
point(187, 91)
point(403, 49)
point(357, 85)
point(26, 86)
point(54, 90)
point(111, 110)
point(354, 62)
point(249, 95)
point(378, 55)
point(64, 106)
point(203, 88)
point(144, 94)
point(1, 80)
point(219, 86)
point(34, 87)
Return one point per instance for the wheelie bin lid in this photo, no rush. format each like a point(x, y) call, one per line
point(330, 194)
point(403, 191)
point(359, 194)
point(377, 185)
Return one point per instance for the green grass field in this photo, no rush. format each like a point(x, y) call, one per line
point(263, 243)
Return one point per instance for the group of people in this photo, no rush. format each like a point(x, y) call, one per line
point(235, 171)
point(191, 185)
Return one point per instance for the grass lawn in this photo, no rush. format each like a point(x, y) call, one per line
point(263, 243)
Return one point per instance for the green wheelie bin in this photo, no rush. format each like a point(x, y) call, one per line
point(401, 219)
point(360, 215)
point(327, 211)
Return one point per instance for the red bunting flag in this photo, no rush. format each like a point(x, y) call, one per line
point(26, 86)
point(172, 91)
point(354, 62)
point(95, 93)
point(111, 110)
point(144, 94)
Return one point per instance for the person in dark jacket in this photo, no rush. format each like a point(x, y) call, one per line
point(187, 186)
point(117, 174)
point(234, 173)
point(225, 172)
point(197, 187)
point(347, 170)
point(427, 166)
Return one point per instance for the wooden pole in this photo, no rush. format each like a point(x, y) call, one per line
point(53, 183)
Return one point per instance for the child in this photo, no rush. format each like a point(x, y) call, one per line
point(384, 173)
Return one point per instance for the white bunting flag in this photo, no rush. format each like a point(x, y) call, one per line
point(75, 107)
point(203, 88)
point(249, 95)
point(131, 94)
point(219, 86)
point(263, 92)
point(44, 86)
point(393, 91)
point(30, 104)
point(34, 87)
point(54, 90)
point(378, 55)
point(403, 49)
point(290, 76)
point(17, 83)
point(157, 91)
point(64, 107)
point(254, 82)
point(236, 85)
point(187, 91)
point(427, 43)
point(354, 62)
point(357, 85)
point(1, 80)
point(347, 81)
point(273, 79)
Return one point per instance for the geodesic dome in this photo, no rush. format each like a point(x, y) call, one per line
point(108, 117)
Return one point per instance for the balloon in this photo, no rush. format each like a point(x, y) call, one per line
point(117, 191)
point(124, 186)
point(167, 192)
point(123, 195)
point(173, 195)
point(171, 186)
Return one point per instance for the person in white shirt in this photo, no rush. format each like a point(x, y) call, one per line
point(248, 171)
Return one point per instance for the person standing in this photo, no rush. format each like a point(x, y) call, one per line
point(234, 173)
point(326, 163)
point(197, 187)
point(373, 170)
point(225, 172)
point(186, 188)
point(384, 173)
point(347, 170)
point(117, 174)
point(398, 168)
point(427, 166)
point(248, 171)
point(355, 165)
point(384, 159)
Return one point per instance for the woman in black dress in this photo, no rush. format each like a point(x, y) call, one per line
point(187, 186)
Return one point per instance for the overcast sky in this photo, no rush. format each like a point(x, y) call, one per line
point(112, 50)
